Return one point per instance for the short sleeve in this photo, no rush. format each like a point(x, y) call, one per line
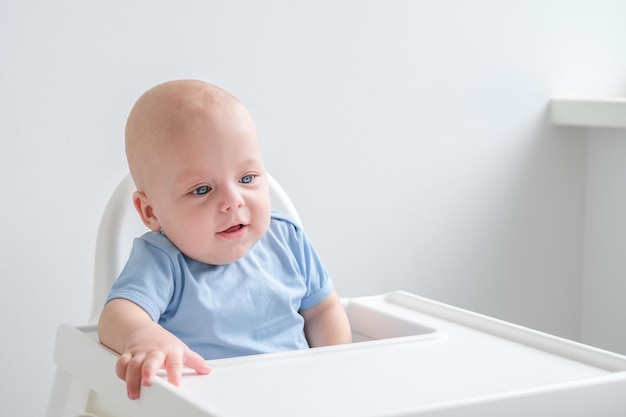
point(316, 278)
point(148, 278)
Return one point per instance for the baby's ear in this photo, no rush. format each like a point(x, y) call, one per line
point(143, 207)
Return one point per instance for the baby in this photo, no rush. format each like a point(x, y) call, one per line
point(219, 274)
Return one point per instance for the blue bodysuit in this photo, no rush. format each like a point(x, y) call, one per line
point(247, 307)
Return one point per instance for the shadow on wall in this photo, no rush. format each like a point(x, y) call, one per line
point(482, 228)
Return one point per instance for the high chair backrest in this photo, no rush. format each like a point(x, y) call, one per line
point(120, 224)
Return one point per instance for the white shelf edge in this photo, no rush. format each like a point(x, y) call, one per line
point(588, 112)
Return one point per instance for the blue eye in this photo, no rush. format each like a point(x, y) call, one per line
point(247, 179)
point(202, 190)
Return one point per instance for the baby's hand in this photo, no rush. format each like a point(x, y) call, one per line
point(152, 348)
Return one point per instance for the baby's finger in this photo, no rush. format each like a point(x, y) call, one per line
point(196, 362)
point(153, 362)
point(133, 375)
point(122, 364)
point(174, 368)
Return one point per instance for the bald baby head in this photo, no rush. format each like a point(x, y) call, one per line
point(164, 111)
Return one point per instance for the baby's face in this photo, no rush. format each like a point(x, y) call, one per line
point(208, 188)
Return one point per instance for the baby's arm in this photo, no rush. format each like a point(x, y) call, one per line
point(144, 346)
point(327, 323)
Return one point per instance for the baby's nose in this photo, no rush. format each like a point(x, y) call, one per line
point(231, 199)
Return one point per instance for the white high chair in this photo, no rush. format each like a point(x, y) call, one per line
point(417, 357)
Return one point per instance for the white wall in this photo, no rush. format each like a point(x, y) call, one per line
point(412, 135)
point(604, 278)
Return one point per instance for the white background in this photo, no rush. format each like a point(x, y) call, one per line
point(413, 136)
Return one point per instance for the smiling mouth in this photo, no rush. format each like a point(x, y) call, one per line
point(235, 232)
point(233, 229)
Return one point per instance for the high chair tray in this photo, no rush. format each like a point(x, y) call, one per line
point(411, 357)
